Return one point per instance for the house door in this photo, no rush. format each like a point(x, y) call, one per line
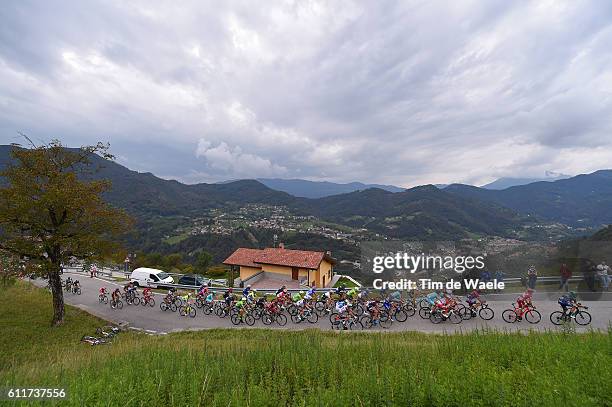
point(294, 273)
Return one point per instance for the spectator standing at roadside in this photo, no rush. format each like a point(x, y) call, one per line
point(499, 277)
point(603, 274)
point(566, 274)
point(485, 276)
point(588, 273)
point(532, 277)
point(93, 272)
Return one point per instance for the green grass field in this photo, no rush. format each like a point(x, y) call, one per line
point(260, 367)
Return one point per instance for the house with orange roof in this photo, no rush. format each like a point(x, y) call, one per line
point(267, 268)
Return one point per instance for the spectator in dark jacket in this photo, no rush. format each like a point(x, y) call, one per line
point(566, 274)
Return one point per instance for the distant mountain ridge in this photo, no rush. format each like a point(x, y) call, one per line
point(507, 182)
point(319, 189)
point(583, 200)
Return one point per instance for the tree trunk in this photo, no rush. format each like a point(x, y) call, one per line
point(58, 297)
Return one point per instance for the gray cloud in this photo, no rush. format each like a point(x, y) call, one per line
point(389, 92)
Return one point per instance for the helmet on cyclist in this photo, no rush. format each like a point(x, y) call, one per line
point(249, 286)
point(230, 290)
point(302, 293)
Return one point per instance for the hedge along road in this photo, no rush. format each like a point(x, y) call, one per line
point(154, 320)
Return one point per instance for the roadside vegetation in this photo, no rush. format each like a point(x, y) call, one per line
point(261, 367)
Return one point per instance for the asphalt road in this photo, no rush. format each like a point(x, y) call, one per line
point(154, 320)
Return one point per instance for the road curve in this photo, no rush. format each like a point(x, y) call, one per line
point(154, 320)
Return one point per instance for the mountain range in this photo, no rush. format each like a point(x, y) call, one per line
point(424, 212)
point(507, 182)
point(319, 189)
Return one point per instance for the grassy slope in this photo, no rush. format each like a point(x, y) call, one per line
point(259, 367)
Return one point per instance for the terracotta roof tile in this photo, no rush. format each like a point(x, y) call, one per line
point(243, 257)
point(277, 256)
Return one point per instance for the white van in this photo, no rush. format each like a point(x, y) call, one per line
point(146, 277)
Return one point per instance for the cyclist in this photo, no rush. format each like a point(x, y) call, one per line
point(567, 301)
point(433, 296)
point(76, 284)
point(102, 293)
point(116, 294)
point(203, 290)
point(68, 283)
point(353, 293)
point(210, 297)
point(310, 293)
point(250, 297)
point(341, 306)
point(228, 296)
point(297, 296)
point(525, 299)
point(246, 291)
point(281, 290)
point(147, 293)
point(473, 300)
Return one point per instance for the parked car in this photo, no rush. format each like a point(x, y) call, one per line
point(192, 279)
point(147, 277)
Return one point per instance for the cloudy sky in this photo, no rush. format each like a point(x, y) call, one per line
point(373, 91)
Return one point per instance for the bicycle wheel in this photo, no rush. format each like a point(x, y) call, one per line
point(257, 312)
point(423, 303)
point(355, 325)
point(583, 318)
point(486, 313)
point(250, 321)
point(337, 325)
point(320, 306)
point(461, 310)
point(333, 316)
point(533, 316)
point(296, 319)
point(192, 312)
point(359, 310)
point(366, 321)
point(292, 310)
point(509, 316)
point(78, 291)
point(466, 313)
point(455, 318)
point(151, 302)
point(556, 318)
point(207, 310)
point(313, 318)
point(136, 301)
point(119, 304)
point(266, 318)
point(409, 310)
point(235, 319)
point(281, 319)
point(163, 306)
point(384, 322)
point(424, 312)
point(401, 315)
point(435, 317)
point(173, 307)
point(219, 311)
point(199, 303)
